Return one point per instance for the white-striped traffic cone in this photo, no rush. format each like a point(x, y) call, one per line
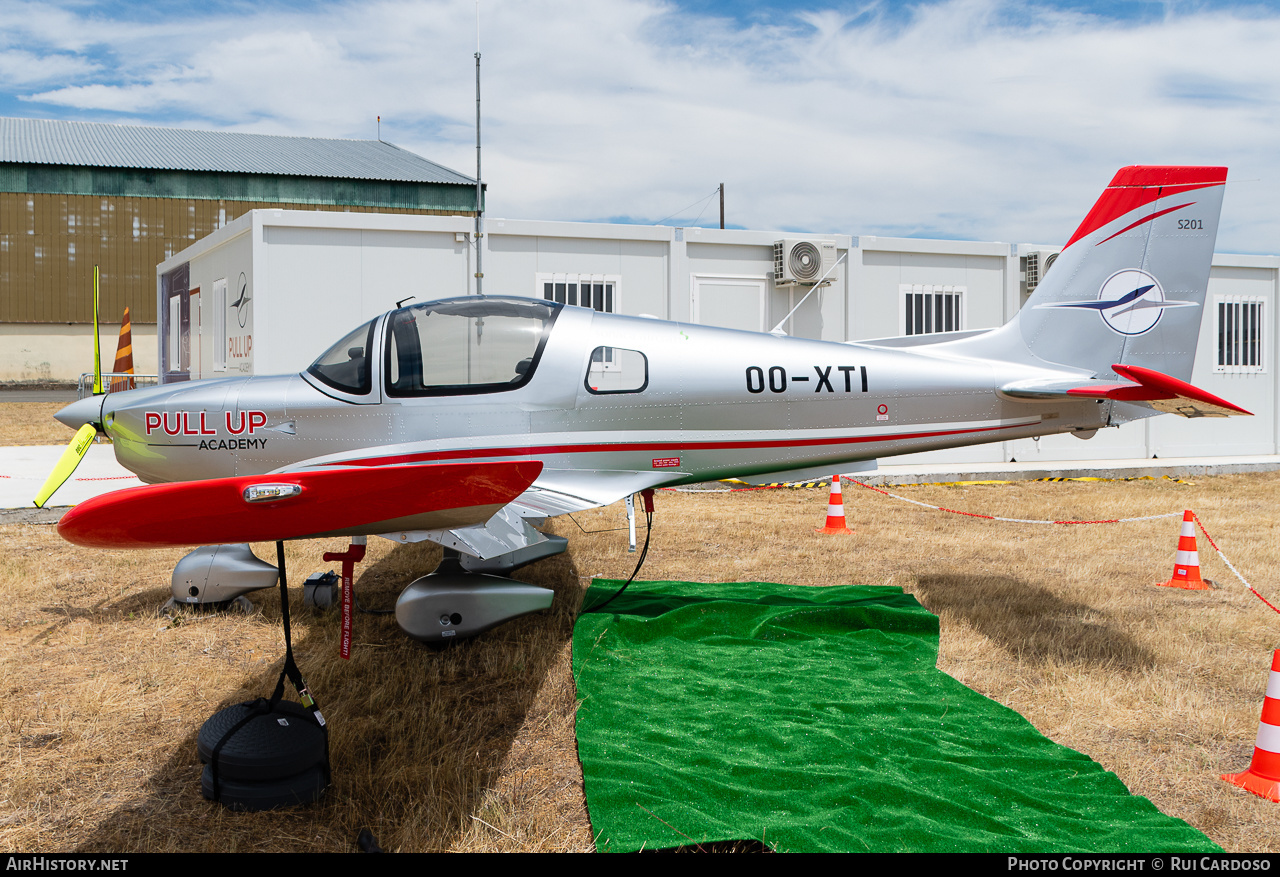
point(1186, 563)
point(1263, 776)
point(835, 512)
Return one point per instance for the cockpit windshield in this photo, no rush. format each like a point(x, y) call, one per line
point(465, 345)
point(345, 365)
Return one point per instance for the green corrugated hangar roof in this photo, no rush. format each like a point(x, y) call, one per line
point(93, 144)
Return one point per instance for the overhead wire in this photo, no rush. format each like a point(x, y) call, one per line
point(703, 201)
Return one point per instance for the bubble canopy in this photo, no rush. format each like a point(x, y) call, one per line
point(450, 347)
point(345, 365)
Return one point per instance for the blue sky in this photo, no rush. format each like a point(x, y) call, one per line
point(975, 119)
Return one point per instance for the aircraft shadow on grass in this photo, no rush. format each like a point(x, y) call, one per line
point(417, 734)
point(1031, 622)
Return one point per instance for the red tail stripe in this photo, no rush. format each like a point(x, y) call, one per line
point(1135, 187)
point(1147, 218)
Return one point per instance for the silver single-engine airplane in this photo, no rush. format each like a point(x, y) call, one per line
point(466, 420)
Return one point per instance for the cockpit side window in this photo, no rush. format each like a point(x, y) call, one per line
point(617, 370)
point(345, 365)
point(460, 346)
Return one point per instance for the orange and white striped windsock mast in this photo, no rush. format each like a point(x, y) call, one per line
point(1263, 776)
point(1186, 564)
point(124, 357)
point(835, 512)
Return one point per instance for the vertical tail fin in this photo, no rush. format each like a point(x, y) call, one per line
point(1130, 285)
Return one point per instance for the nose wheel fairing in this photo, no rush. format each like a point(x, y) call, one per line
point(217, 574)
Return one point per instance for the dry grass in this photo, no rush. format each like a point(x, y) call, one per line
point(471, 747)
point(32, 423)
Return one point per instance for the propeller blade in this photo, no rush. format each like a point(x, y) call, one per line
point(84, 436)
point(97, 351)
point(67, 463)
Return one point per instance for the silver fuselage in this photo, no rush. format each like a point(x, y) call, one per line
point(715, 403)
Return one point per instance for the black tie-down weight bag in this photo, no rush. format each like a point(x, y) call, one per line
point(263, 754)
point(260, 755)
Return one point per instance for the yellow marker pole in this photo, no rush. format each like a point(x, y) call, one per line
point(97, 351)
point(67, 463)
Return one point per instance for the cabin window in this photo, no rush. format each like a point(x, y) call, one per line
point(466, 345)
point(345, 365)
point(928, 309)
point(596, 291)
point(617, 370)
point(1241, 334)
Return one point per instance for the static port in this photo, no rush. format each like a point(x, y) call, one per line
point(193, 591)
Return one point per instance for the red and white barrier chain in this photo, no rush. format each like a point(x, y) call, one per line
point(939, 508)
point(1231, 566)
point(1008, 520)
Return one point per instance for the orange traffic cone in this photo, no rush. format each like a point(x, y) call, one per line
point(1186, 563)
point(1263, 776)
point(835, 512)
point(124, 357)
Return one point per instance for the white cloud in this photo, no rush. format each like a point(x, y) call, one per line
point(20, 68)
point(974, 118)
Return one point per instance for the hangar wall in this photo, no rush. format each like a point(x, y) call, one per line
point(75, 195)
point(275, 288)
point(61, 352)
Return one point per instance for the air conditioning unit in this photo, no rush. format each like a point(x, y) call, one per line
point(802, 262)
point(1038, 264)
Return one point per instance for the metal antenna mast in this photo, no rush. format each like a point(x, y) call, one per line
point(479, 186)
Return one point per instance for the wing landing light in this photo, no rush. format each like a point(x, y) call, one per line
point(1162, 392)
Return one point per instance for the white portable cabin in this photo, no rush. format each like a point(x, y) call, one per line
point(273, 289)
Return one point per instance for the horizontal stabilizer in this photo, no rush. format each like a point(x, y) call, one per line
point(294, 505)
point(1160, 391)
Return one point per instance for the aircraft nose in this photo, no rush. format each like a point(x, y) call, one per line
point(77, 414)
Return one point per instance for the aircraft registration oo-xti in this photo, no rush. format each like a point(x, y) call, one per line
point(466, 420)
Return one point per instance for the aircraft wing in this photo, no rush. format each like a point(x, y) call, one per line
point(560, 491)
point(295, 505)
point(556, 492)
point(1162, 392)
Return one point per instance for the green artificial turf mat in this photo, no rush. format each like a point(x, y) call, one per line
point(815, 719)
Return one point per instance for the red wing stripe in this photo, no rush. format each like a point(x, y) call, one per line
point(659, 447)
